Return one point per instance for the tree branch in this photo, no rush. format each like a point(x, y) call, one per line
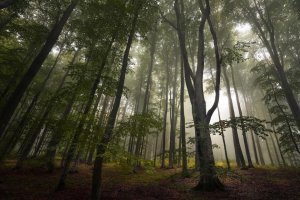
point(165, 19)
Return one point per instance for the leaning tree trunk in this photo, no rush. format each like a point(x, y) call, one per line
point(98, 163)
point(16, 96)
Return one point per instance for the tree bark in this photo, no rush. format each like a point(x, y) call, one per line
point(208, 178)
point(184, 172)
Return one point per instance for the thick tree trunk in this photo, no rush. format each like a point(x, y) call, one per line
point(208, 179)
point(16, 96)
point(97, 173)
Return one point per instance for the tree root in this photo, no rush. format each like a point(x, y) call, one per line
point(209, 183)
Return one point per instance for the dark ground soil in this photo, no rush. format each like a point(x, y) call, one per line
point(37, 184)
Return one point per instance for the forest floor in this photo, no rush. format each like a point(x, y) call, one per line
point(163, 184)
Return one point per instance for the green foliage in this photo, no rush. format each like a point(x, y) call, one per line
point(236, 53)
point(249, 124)
point(274, 98)
point(140, 125)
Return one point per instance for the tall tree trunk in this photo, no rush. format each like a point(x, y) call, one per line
point(163, 165)
point(157, 134)
point(238, 151)
point(16, 96)
point(184, 172)
point(208, 178)
point(101, 148)
point(248, 113)
point(173, 116)
point(250, 165)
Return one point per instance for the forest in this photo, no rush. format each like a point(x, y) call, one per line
point(149, 99)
